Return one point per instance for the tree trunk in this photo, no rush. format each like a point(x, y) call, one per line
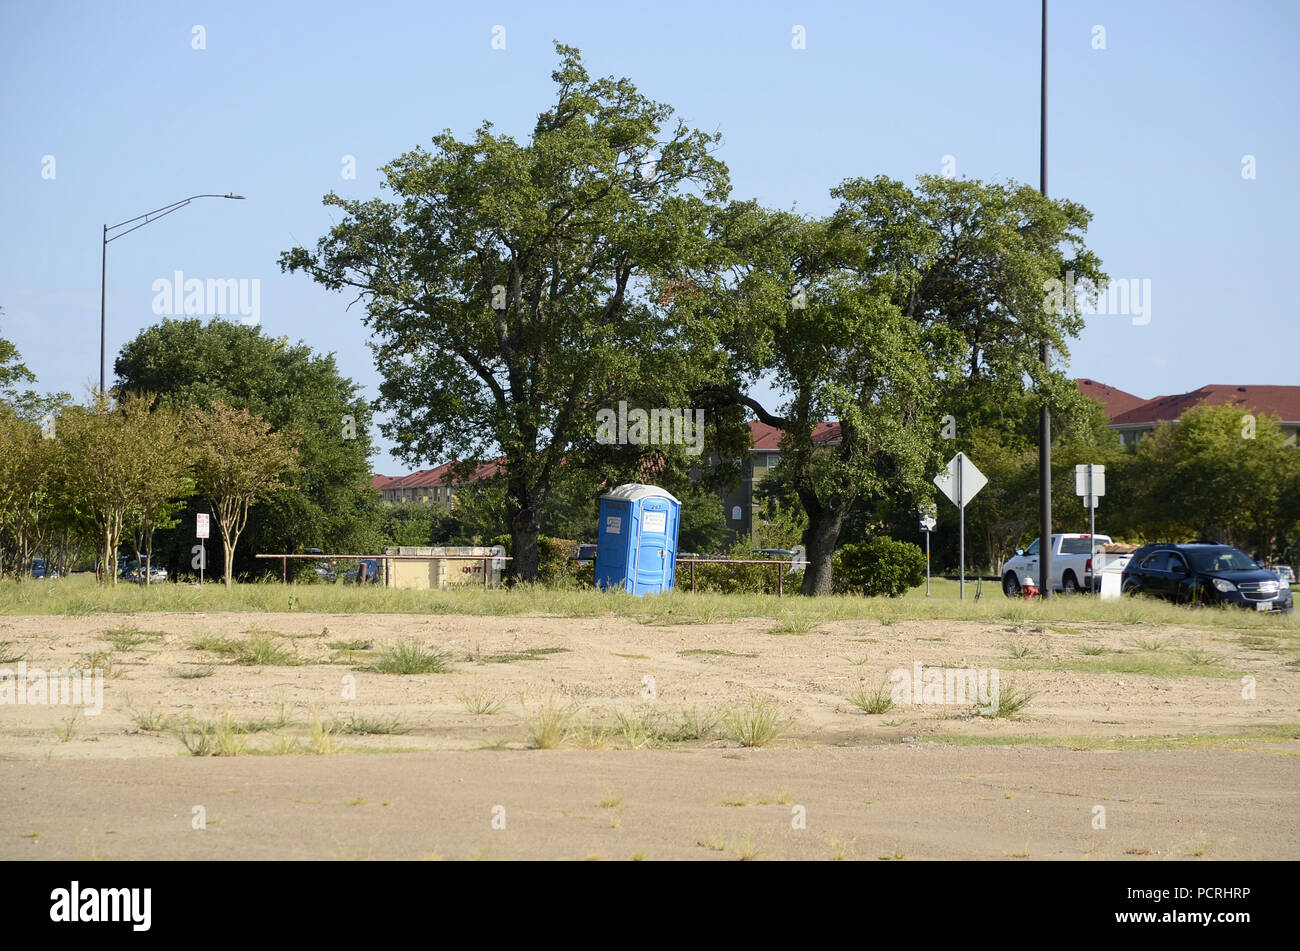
point(524, 529)
point(819, 540)
point(229, 548)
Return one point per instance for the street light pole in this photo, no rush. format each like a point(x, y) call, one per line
point(147, 218)
point(1044, 414)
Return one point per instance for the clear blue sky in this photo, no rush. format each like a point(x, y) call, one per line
point(1148, 133)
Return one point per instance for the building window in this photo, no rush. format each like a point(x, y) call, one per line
point(735, 513)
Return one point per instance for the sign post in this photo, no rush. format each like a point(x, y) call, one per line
point(201, 529)
point(961, 482)
point(1090, 483)
point(927, 526)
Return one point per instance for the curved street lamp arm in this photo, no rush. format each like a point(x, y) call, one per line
point(150, 216)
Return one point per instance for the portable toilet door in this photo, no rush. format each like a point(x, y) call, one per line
point(637, 540)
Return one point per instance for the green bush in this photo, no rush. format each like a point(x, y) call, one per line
point(730, 579)
point(880, 566)
point(555, 559)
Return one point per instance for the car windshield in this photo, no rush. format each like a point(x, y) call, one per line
point(1221, 559)
point(1033, 548)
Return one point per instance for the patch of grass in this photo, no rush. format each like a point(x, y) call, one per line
point(150, 721)
point(68, 727)
point(281, 745)
point(859, 661)
point(1149, 664)
point(130, 637)
point(610, 802)
point(1260, 643)
point(260, 650)
point(7, 654)
point(841, 849)
point(794, 624)
point(324, 740)
point(480, 703)
point(757, 723)
point(693, 724)
point(1019, 651)
point(354, 645)
point(1245, 740)
point(192, 673)
point(1011, 700)
point(366, 726)
point(876, 701)
point(712, 652)
point(634, 656)
point(101, 661)
point(411, 657)
point(635, 730)
point(510, 657)
point(1092, 650)
point(1150, 644)
point(1200, 658)
point(746, 847)
point(195, 737)
point(212, 643)
point(549, 725)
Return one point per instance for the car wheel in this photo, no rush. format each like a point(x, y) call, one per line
point(1070, 584)
point(1132, 588)
point(1011, 585)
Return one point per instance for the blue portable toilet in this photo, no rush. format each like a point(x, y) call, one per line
point(636, 546)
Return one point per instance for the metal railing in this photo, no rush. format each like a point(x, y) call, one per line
point(780, 571)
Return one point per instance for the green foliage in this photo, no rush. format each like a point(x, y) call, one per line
point(511, 287)
point(880, 566)
point(328, 504)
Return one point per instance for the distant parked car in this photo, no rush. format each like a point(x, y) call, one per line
point(1284, 573)
point(42, 571)
point(586, 553)
point(133, 572)
point(778, 554)
point(1205, 574)
point(372, 572)
point(325, 569)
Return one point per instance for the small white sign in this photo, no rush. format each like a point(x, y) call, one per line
point(613, 525)
point(202, 527)
point(656, 523)
point(1081, 480)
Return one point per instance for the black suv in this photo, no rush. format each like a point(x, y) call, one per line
point(1205, 574)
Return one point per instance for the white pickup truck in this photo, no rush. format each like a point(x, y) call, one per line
point(1071, 564)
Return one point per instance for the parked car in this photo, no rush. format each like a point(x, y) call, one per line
point(133, 572)
point(586, 554)
point(1205, 574)
point(42, 571)
point(372, 571)
point(780, 554)
point(1284, 573)
point(325, 569)
point(1071, 564)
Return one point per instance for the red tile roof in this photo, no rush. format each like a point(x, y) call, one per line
point(1112, 400)
point(768, 438)
point(1282, 401)
point(439, 475)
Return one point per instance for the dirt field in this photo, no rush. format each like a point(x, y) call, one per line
point(1139, 742)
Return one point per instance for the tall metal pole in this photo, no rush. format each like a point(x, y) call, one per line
point(103, 320)
point(1044, 414)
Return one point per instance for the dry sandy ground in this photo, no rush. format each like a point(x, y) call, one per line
point(915, 782)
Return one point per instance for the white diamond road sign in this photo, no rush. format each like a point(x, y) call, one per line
point(961, 481)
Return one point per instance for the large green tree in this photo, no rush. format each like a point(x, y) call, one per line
point(512, 287)
point(881, 316)
point(328, 503)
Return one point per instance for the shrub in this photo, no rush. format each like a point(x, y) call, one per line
point(880, 566)
point(730, 579)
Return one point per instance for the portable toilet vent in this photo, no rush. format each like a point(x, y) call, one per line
point(637, 542)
